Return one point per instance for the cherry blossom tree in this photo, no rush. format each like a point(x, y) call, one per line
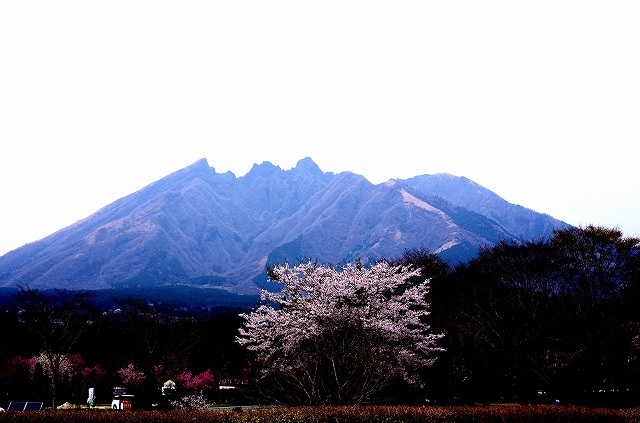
point(194, 390)
point(339, 335)
point(204, 380)
point(131, 376)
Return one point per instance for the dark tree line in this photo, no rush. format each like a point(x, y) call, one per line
point(545, 320)
point(536, 321)
point(55, 345)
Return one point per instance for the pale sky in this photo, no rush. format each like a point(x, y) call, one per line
point(538, 101)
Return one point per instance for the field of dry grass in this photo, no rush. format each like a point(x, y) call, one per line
point(362, 414)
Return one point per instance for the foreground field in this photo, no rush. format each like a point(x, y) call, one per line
point(382, 414)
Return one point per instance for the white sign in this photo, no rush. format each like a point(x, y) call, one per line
point(92, 396)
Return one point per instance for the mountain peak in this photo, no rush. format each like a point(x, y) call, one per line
point(265, 168)
point(308, 165)
point(200, 162)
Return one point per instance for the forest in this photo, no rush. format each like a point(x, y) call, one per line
point(551, 321)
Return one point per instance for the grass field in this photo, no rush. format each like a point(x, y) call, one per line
point(361, 414)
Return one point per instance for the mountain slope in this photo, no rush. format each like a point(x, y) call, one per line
point(522, 222)
point(202, 228)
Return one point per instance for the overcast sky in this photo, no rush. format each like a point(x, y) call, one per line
point(538, 101)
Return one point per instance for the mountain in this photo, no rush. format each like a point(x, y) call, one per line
point(201, 228)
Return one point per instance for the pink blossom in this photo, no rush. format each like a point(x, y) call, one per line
point(94, 373)
point(130, 375)
point(203, 380)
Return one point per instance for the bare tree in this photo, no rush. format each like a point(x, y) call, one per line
point(57, 321)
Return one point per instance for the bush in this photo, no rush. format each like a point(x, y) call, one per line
point(191, 402)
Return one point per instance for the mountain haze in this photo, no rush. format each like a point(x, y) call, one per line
point(202, 228)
